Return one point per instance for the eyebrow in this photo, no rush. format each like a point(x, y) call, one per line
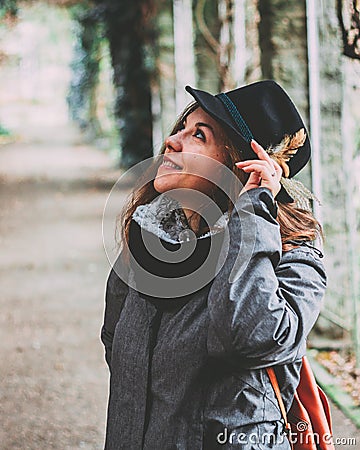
point(202, 124)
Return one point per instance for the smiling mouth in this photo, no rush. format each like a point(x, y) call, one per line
point(170, 165)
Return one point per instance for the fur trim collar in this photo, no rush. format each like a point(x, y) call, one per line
point(165, 218)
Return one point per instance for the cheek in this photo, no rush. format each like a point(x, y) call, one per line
point(211, 170)
point(204, 164)
point(203, 185)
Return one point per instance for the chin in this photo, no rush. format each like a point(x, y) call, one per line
point(161, 186)
point(165, 181)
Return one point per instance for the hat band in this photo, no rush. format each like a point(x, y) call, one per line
point(236, 116)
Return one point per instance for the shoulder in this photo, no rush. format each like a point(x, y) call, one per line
point(304, 249)
point(305, 261)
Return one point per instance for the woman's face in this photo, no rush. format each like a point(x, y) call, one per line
point(192, 156)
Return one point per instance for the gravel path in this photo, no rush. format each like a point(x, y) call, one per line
point(53, 380)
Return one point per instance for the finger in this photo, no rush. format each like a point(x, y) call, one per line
point(241, 164)
point(264, 171)
point(272, 165)
point(254, 179)
point(259, 150)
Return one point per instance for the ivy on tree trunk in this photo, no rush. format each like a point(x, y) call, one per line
point(8, 7)
point(128, 34)
point(85, 69)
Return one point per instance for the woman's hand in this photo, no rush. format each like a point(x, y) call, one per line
point(264, 172)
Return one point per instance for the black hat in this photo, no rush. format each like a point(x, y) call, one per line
point(262, 111)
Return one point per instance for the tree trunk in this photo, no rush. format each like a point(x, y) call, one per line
point(335, 150)
point(128, 33)
point(283, 45)
point(282, 33)
point(164, 86)
point(183, 51)
point(207, 32)
point(82, 98)
point(239, 60)
point(226, 45)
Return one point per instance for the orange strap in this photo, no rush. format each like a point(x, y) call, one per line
point(275, 385)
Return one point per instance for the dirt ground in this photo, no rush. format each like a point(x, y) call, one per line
point(53, 380)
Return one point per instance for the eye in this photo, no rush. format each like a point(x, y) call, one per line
point(181, 127)
point(200, 134)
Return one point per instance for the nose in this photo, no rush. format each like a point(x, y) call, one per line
point(173, 142)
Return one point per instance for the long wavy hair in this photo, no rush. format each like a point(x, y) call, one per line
point(295, 223)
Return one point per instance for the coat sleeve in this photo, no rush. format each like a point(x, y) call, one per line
point(115, 295)
point(263, 303)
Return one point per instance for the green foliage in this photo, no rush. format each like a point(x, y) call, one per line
point(4, 131)
point(85, 68)
point(357, 143)
point(8, 7)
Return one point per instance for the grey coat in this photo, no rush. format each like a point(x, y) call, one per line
point(193, 377)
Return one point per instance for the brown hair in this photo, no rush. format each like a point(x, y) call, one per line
point(295, 223)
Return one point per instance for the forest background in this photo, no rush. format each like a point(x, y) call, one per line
point(117, 70)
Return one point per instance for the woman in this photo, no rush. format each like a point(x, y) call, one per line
point(188, 354)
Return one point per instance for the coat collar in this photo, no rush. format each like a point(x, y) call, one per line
point(165, 218)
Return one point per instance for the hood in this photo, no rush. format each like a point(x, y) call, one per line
point(165, 218)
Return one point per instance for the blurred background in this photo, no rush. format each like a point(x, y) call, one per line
point(90, 88)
